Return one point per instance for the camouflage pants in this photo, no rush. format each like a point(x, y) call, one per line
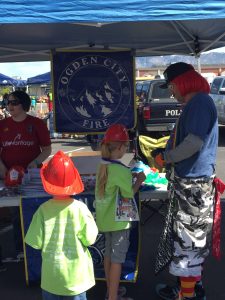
point(193, 219)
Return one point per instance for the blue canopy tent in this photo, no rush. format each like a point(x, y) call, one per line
point(20, 83)
point(40, 79)
point(6, 80)
point(31, 32)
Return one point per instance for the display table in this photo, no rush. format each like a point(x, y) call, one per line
point(80, 160)
point(160, 193)
point(149, 199)
point(9, 201)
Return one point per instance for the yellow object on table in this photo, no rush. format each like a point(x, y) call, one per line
point(147, 144)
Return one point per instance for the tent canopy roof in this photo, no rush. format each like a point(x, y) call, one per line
point(31, 32)
point(40, 79)
point(101, 11)
point(6, 80)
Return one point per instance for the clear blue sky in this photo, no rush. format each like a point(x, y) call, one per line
point(24, 70)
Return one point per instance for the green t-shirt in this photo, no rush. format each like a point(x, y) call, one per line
point(119, 177)
point(63, 229)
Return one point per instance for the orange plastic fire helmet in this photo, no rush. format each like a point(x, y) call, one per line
point(60, 177)
point(116, 133)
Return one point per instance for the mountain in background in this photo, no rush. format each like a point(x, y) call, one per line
point(212, 58)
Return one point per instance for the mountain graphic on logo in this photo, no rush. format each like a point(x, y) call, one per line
point(96, 103)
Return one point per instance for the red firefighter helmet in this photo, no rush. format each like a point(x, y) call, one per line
point(116, 133)
point(60, 177)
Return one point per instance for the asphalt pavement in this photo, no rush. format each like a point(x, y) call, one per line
point(12, 281)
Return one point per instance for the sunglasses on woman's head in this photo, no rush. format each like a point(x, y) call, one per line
point(13, 102)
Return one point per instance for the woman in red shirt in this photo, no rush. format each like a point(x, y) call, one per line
point(24, 139)
point(25, 142)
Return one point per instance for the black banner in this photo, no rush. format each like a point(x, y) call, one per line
point(93, 90)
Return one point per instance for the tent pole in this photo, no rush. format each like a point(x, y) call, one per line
point(199, 64)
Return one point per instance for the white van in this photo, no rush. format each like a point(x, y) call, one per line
point(217, 92)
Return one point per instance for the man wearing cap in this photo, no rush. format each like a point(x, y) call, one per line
point(190, 157)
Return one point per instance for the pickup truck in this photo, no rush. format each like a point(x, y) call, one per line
point(217, 93)
point(157, 110)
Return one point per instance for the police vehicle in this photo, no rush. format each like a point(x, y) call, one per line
point(157, 110)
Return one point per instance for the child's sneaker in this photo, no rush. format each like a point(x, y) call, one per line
point(167, 292)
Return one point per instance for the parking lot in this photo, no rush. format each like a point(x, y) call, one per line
point(13, 285)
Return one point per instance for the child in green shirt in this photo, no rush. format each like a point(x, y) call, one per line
point(63, 228)
point(113, 176)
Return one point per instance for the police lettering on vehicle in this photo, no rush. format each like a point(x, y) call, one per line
point(172, 112)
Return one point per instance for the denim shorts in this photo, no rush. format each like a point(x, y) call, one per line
point(116, 245)
point(49, 296)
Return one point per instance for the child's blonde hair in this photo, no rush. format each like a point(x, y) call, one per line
point(106, 151)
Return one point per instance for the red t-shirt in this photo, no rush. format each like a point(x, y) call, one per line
point(20, 142)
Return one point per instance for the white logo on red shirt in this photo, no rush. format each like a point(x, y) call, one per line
point(18, 142)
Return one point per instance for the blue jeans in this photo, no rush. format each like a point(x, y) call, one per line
point(49, 296)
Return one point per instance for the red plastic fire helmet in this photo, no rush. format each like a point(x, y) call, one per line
point(14, 176)
point(116, 133)
point(60, 177)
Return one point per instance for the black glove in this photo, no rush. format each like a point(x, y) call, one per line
point(157, 151)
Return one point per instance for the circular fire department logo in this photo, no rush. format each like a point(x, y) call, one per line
point(94, 91)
